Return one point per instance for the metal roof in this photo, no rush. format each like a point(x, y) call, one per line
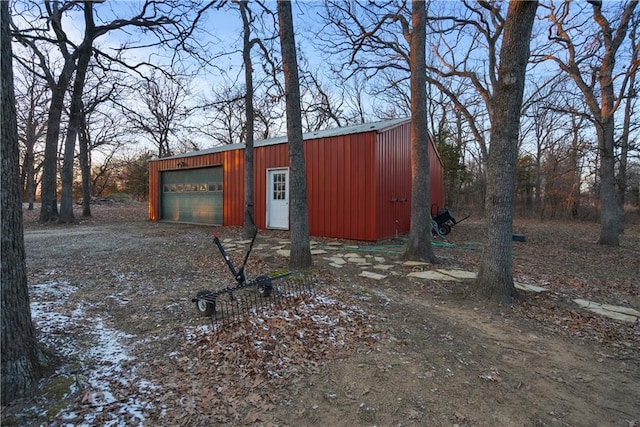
point(327, 133)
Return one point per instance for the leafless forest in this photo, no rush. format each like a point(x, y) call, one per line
point(190, 93)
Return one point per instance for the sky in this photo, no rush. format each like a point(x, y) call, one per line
point(222, 32)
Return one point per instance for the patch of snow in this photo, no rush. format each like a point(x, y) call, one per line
point(111, 368)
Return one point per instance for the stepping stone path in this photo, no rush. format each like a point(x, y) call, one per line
point(284, 252)
point(422, 270)
point(371, 275)
point(530, 288)
point(625, 314)
point(442, 274)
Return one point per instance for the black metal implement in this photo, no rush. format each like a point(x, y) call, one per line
point(228, 306)
point(231, 303)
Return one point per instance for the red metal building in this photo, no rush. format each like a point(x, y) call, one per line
point(358, 183)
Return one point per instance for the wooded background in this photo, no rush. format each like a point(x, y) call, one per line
point(131, 81)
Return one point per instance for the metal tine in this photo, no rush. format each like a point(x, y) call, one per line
point(240, 308)
point(231, 311)
point(271, 302)
point(214, 319)
point(254, 303)
point(248, 306)
point(236, 308)
point(217, 314)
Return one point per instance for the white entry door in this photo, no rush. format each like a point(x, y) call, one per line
point(278, 198)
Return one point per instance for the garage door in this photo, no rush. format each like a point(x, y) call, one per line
point(193, 195)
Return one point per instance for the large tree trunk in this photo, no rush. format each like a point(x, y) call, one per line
point(20, 354)
point(75, 122)
point(49, 183)
point(299, 224)
point(609, 218)
point(419, 244)
point(49, 186)
point(66, 175)
point(495, 278)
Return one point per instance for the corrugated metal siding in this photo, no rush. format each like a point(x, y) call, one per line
point(232, 163)
point(340, 190)
point(351, 180)
point(340, 186)
point(393, 163)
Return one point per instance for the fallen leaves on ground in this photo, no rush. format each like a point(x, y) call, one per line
point(237, 363)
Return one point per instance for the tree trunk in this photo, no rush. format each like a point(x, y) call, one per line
point(299, 224)
point(624, 145)
point(495, 278)
point(574, 162)
point(609, 218)
point(49, 182)
point(75, 117)
point(419, 244)
point(20, 353)
point(250, 118)
point(66, 176)
point(29, 170)
point(85, 166)
point(49, 185)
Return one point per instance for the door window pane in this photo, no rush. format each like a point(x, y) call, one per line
point(279, 186)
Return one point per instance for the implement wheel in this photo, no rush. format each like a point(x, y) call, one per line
point(204, 308)
point(444, 229)
point(264, 286)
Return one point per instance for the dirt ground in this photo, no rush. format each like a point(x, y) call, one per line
point(111, 297)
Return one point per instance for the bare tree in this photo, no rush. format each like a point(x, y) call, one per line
point(163, 111)
point(463, 64)
point(225, 114)
point(378, 40)
point(248, 42)
point(355, 93)
point(253, 37)
point(624, 142)
point(552, 127)
point(33, 39)
point(32, 100)
point(320, 109)
point(105, 134)
point(591, 63)
point(166, 21)
point(369, 52)
point(98, 90)
point(300, 258)
point(76, 118)
point(21, 357)
point(419, 244)
point(495, 277)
